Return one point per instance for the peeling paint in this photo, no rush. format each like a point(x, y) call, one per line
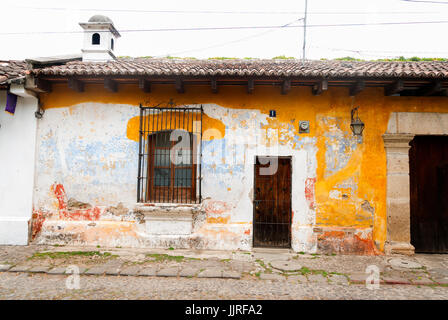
point(87, 142)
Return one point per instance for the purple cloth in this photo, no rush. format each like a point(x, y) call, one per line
point(11, 102)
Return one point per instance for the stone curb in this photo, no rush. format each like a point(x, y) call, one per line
point(145, 272)
point(424, 282)
point(19, 268)
point(186, 273)
point(396, 281)
point(5, 267)
point(400, 281)
point(363, 282)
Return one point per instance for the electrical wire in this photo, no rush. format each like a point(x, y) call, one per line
point(239, 27)
point(359, 51)
point(421, 1)
point(229, 42)
point(224, 11)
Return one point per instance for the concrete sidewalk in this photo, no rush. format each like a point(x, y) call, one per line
point(258, 265)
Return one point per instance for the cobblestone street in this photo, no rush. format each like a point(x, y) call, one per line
point(37, 286)
point(46, 272)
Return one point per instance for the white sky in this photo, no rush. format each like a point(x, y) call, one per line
point(370, 42)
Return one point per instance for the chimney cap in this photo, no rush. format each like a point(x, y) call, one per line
point(100, 18)
point(99, 21)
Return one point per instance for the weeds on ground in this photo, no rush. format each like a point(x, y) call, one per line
point(262, 264)
point(66, 254)
point(158, 257)
point(304, 271)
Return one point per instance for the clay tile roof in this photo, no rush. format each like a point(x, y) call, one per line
point(250, 68)
point(11, 69)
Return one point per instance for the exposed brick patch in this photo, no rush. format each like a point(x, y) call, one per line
point(309, 192)
point(345, 241)
point(37, 220)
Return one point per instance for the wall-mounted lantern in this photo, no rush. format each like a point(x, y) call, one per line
point(356, 124)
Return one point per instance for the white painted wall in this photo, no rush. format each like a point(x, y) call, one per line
point(17, 155)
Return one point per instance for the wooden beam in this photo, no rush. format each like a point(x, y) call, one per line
point(43, 85)
point(357, 88)
point(250, 86)
point(286, 86)
point(76, 85)
point(180, 86)
point(110, 85)
point(434, 87)
point(394, 88)
point(319, 87)
point(214, 85)
point(144, 85)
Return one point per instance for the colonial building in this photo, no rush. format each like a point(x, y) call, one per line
point(317, 156)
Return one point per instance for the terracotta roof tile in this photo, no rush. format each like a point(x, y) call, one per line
point(11, 69)
point(249, 68)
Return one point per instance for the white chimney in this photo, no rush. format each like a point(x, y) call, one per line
point(99, 39)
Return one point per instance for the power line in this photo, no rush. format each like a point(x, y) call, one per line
point(231, 42)
point(380, 51)
point(375, 52)
point(225, 12)
point(304, 31)
point(239, 27)
point(421, 1)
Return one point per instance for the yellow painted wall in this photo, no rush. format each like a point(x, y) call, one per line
point(366, 167)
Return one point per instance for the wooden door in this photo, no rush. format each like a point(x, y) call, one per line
point(272, 203)
point(428, 164)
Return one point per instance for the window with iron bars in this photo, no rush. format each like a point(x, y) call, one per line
point(169, 166)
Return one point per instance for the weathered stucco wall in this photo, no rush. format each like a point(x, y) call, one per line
point(87, 151)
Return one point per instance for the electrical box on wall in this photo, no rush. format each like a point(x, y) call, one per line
point(304, 126)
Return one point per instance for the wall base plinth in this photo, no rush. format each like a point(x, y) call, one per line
point(14, 231)
point(403, 248)
point(168, 219)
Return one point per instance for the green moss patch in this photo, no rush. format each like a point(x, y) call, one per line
point(157, 257)
point(67, 254)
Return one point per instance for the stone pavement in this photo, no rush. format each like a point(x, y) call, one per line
point(17, 285)
point(260, 265)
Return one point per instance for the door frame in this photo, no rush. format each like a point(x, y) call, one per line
point(290, 158)
point(401, 129)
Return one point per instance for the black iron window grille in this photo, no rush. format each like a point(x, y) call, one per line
point(169, 165)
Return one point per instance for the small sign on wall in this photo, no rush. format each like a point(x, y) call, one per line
point(304, 126)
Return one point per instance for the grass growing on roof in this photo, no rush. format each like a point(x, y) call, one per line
point(283, 57)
